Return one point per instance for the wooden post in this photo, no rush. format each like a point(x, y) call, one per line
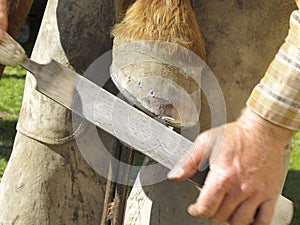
point(116, 193)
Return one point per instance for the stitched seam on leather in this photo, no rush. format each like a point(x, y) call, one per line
point(47, 139)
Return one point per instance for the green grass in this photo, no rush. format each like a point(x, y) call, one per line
point(3, 164)
point(11, 89)
point(11, 92)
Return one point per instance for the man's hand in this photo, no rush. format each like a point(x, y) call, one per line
point(246, 170)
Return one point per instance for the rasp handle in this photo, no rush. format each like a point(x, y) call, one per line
point(11, 52)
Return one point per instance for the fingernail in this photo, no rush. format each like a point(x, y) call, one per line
point(176, 172)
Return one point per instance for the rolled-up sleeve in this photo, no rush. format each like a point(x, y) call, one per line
point(277, 97)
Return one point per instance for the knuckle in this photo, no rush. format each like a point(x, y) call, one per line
point(262, 190)
point(226, 179)
point(201, 139)
point(247, 188)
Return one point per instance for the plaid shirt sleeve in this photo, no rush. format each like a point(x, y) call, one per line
point(277, 97)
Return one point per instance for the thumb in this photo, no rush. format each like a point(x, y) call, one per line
point(196, 158)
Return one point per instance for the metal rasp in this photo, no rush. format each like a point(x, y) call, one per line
point(101, 108)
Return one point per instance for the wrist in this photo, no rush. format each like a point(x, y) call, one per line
point(252, 122)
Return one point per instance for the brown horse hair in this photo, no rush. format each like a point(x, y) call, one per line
point(17, 11)
point(165, 20)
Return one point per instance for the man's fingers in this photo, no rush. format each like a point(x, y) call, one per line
point(188, 165)
point(245, 213)
point(189, 168)
point(229, 205)
point(265, 213)
point(210, 199)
